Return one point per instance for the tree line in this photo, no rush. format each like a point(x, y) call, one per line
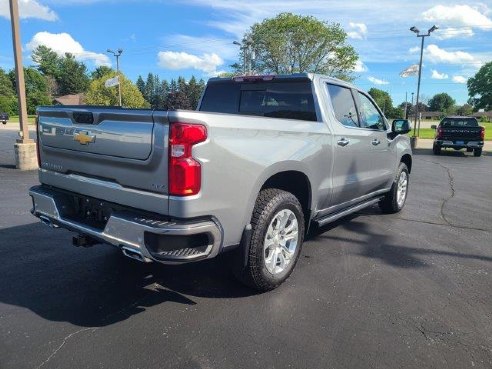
point(54, 75)
point(284, 44)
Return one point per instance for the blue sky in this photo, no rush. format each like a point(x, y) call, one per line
point(194, 37)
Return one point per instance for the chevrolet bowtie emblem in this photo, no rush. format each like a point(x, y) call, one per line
point(84, 137)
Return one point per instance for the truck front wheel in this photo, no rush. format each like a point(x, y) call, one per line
point(477, 152)
point(395, 199)
point(276, 240)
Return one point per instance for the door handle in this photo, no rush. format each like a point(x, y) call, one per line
point(343, 142)
point(375, 142)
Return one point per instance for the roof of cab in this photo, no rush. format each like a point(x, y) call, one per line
point(300, 76)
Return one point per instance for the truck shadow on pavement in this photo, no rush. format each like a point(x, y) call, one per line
point(447, 153)
point(371, 244)
point(99, 286)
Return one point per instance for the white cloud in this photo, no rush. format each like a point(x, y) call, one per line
point(414, 50)
point(358, 31)
point(63, 43)
point(437, 75)
point(207, 63)
point(451, 32)
point(437, 55)
point(458, 16)
point(459, 79)
point(360, 67)
point(202, 45)
point(377, 81)
point(28, 9)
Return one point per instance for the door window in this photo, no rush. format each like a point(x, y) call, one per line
point(343, 105)
point(370, 117)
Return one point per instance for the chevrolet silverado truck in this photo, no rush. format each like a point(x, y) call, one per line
point(262, 159)
point(459, 133)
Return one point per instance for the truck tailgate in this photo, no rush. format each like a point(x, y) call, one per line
point(116, 150)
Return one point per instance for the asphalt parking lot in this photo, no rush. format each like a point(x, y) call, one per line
point(412, 290)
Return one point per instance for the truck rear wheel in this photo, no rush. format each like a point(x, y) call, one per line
point(395, 199)
point(436, 150)
point(276, 240)
point(477, 152)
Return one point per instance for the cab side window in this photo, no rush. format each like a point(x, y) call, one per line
point(343, 105)
point(369, 114)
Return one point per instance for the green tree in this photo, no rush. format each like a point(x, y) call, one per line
point(178, 100)
point(292, 43)
point(464, 110)
point(194, 91)
point(442, 102)
point(37, 90)
point(98, 94)
point(73, 77)
point(6, 86)
point(47, 60)
point(382, 98)
point(101, 71)
point(141, 85)
point(480, 88)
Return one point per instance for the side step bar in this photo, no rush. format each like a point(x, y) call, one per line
point(335, 216)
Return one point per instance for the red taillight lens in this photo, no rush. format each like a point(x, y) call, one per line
point(185, 173)
point(439, 132)
point(482, 133)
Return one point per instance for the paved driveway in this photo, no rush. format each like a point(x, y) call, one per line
point(412, 290)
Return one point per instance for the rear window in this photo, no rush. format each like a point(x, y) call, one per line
point(289, 100)
point(459, 122)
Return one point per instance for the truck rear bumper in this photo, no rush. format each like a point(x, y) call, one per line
point(456, 144)
point(140, 237)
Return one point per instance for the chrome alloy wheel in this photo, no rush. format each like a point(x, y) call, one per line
point(281, 241)
point(401, 191)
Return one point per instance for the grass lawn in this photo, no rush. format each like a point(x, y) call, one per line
point(430, 133)
point(15, 119)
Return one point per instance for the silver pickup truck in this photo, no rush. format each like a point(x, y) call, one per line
point(261, 159)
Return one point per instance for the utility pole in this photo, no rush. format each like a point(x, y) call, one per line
point(19, 75)
point(423, 36)
point(25, 148)
point(117, 54)
point(406, 105)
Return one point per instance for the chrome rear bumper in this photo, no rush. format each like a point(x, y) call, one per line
point(128, 231)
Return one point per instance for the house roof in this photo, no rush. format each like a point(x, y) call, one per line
point(76, 99)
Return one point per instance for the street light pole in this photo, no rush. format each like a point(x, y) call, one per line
point(117, 54)
point(247, 54)
point(423, 36)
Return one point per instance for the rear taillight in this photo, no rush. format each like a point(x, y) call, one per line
point(439, 132)
point(482, 133)
point(38, 144)
point(185, 173)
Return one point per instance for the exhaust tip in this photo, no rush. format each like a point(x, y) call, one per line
point(133, 254)
point(45, 220)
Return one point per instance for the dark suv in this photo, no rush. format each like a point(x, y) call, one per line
point(4, 117)
point(459, 133)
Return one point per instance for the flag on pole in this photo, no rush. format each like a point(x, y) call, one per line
point(412, 70)
point(112, 82)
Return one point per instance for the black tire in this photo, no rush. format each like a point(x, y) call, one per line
point(469, 149)
point(268, 204)
point(436, 150)
point(477, 152)
point(389, 204)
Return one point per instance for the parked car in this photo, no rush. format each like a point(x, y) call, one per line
point(459, 133)
point(261, 160)
point(4, 118)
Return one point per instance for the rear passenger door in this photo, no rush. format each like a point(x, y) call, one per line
point(356, 164)
point(382, 158)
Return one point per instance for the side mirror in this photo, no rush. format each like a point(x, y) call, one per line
point(433, 126)
point(401, 126)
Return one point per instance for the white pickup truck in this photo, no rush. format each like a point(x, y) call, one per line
point(261, 159)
